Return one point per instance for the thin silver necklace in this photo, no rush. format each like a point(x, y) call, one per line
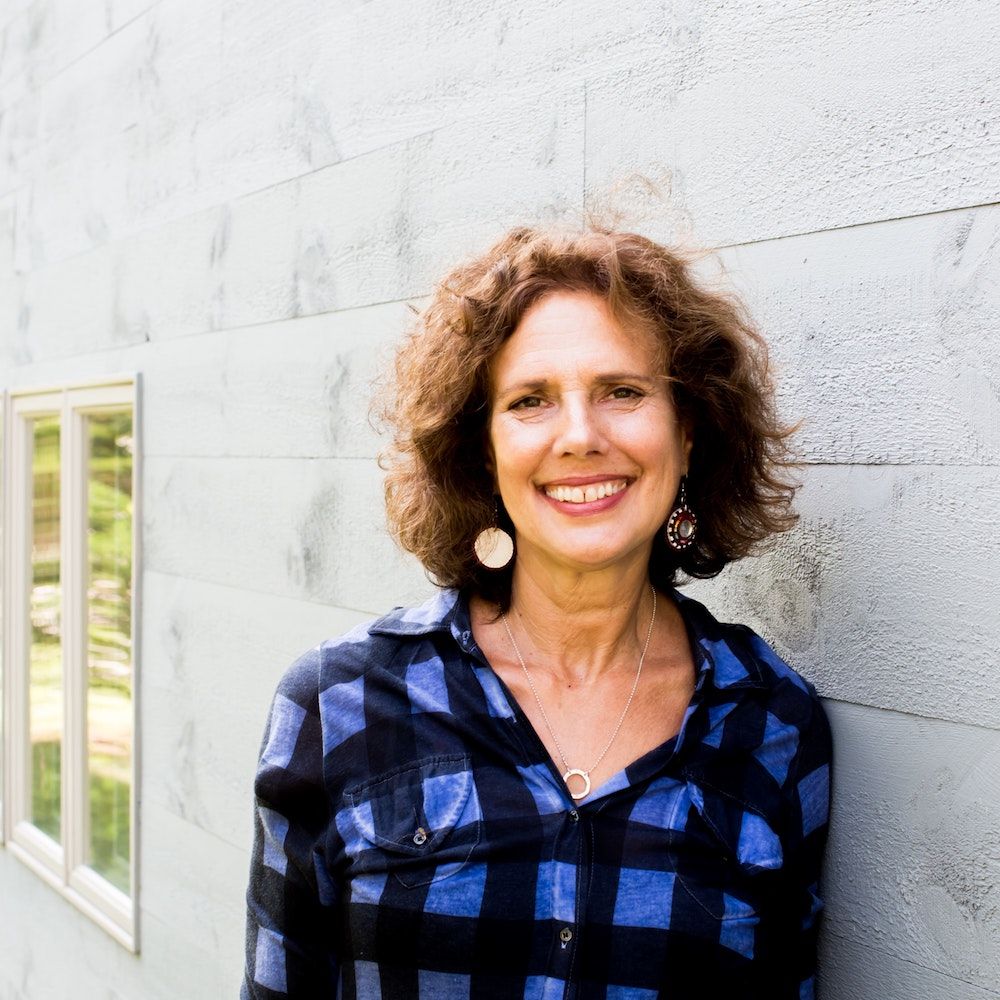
point(576, 772)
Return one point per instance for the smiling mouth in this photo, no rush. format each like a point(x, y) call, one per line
point(586, 494)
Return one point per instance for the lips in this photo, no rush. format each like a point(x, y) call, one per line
point(585, 493)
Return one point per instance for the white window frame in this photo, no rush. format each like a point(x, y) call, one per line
point(4, 457)
point(62, 865)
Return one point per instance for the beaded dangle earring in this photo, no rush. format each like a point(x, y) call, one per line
point(682, 525)
point(494, 546)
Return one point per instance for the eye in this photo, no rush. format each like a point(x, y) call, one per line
point(626, 392)
point(526, 403)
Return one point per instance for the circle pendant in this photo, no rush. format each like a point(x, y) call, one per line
point(575, 772)
point(494, 548)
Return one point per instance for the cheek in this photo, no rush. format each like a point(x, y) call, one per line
point(511, 473)
point(514, 447)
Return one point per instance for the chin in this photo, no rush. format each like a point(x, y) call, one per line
point(596, 557)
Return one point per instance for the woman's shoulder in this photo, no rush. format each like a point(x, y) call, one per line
point(760, 709)
point(334, 691)
point(376, 642)
point(743, 661)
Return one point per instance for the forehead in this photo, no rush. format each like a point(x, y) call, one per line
point(570, 332)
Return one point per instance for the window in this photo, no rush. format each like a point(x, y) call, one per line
point(69, 677)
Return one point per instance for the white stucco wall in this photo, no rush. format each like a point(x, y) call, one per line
point(238, 199)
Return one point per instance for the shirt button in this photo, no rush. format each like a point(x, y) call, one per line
point(574, 815)
point(420, 837)
point(565, 935)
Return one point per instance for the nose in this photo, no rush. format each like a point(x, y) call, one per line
point(579, 431)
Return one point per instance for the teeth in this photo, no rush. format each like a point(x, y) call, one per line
point(586, 494)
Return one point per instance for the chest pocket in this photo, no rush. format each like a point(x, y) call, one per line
point(419, 823)
point(728, 856)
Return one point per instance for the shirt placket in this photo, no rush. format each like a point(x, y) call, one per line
point(568, 891)
point(569, 876)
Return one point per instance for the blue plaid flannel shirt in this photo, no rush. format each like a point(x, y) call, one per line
point(413, 838)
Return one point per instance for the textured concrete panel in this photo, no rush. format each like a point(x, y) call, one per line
point(311, 529)
point(8, 281)
point(456, 168)
point(297, 89)
point(161, 55)
point(313, 245)
point(69, 309)
point(41, 39)
point(201, 899)
point(38, 40)
point(470, 52)
point(886, 338)
point(297, 93)
point(294, 388)
point(851, 970)
point(7, 222)
point(914, 854)
point(175, 966)
point(804, 117)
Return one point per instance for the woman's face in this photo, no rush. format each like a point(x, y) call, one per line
point(587, 451)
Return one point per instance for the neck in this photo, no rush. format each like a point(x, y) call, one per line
point(581, 626)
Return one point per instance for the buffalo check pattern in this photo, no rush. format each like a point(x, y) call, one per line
point(414, 840)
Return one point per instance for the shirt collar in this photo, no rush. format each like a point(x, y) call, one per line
point(724, 652)
point(723, 657)
point(436, 614)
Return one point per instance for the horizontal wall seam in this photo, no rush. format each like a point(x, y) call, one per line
point(912, 715)
point(857, 225)
point(865, 943)
point(263, 593)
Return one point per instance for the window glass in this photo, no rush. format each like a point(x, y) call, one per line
point(109, 643)
point(45, 696)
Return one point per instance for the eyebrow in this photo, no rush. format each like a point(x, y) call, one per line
point(609, 378)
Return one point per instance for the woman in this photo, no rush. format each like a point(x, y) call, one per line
point(558, 777)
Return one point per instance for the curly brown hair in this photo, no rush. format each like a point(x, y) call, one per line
point(439, 491)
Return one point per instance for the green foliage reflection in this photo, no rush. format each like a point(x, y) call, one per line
point(45, 765)
point(109, 642)
point(45, 698)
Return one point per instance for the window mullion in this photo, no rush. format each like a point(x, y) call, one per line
point(74, 515)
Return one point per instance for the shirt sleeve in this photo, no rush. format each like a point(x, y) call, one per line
point(291, 898)
point(809, 803)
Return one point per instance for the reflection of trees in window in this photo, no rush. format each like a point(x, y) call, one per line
point(45, 697)
point(109, 642)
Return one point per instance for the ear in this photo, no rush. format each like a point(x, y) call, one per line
point(489, 459)
point(686, 431)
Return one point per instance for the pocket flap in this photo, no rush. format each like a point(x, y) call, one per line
point(413, 809)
